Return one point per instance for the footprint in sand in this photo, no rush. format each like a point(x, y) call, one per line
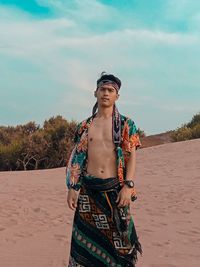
point(147, 230)
point(186, 211)
point(37, 209)
point(194, 232)
point(163, 265)
point(163, 224)
point(182, 232)
point(157, 244)
point(60, 237)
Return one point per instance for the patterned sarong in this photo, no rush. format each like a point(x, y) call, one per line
point(103, 234)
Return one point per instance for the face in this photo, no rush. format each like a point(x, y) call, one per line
point(106, 95)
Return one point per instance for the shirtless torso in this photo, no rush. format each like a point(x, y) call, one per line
point(101, 150)
point(102, 162)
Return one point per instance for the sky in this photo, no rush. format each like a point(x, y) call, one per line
point(53, 51)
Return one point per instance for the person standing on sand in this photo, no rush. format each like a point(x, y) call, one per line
point(100, 182)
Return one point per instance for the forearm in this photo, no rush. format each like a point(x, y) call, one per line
point(131, 166)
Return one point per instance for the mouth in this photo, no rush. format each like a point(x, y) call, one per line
point(104, 98)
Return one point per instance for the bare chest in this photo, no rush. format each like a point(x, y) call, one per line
point(100, 131)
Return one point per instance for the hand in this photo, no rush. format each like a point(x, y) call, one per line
point(72, 197)
point(124, 196)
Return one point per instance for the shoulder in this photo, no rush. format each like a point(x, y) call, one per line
point(126, 119)
point(128, 124)
point(84, 122)
point(81, 126)
point(130, 133)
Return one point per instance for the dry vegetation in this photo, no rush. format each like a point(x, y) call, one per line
point(31, 147)
point(187, 131)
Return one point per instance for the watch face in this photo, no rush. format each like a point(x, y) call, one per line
point(130, 184)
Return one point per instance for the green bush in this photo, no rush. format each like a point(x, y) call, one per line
point(195, 121)
point(190, 130)
point(141, 133)
point(196, 131)
point(29, 146)
point(9, 155)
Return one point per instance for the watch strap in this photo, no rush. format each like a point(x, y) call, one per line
point(129, 183)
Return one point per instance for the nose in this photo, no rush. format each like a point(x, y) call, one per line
point(106, 92)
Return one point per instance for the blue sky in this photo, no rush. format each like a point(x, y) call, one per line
point(53, 51)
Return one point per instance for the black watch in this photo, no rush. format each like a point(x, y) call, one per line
point(129, 183)
point(73, 186)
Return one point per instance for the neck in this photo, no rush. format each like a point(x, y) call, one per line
point(104, 112)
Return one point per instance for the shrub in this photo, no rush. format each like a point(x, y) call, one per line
point(190, 130)
point(141, 133)
point(196, 131)
point(29, 146)
point(195, 121)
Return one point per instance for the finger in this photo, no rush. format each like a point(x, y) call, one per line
point(118, 198)
point(71, 207)
point(70, 204)
point(126, 204)
point(121, 203)
point(74, 204)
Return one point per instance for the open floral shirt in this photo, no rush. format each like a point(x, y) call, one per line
point(77, 164)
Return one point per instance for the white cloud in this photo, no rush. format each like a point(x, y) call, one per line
point(87, 10)
point(184, 12)
point(68, 57)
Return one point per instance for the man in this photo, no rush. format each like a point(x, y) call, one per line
point(102, 167)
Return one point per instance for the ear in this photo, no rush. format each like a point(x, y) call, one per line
point(117, 96)
point(95, 93)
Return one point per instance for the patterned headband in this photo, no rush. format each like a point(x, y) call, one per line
point(115, 85)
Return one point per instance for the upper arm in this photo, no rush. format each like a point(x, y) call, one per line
point(77, 133)
point(134, 138)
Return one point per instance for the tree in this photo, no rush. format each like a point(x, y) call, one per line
point(141, 133)
point(187, 131)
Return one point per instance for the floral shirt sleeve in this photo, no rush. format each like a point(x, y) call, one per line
point(134, 141)
point(130, 138)
point(75, 162)
point(133, 134)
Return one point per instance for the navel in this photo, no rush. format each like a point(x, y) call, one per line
point(91, 139)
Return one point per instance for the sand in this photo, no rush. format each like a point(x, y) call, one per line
point(35, 222)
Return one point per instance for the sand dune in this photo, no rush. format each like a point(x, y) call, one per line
point(35, 223)
point(156, 139)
